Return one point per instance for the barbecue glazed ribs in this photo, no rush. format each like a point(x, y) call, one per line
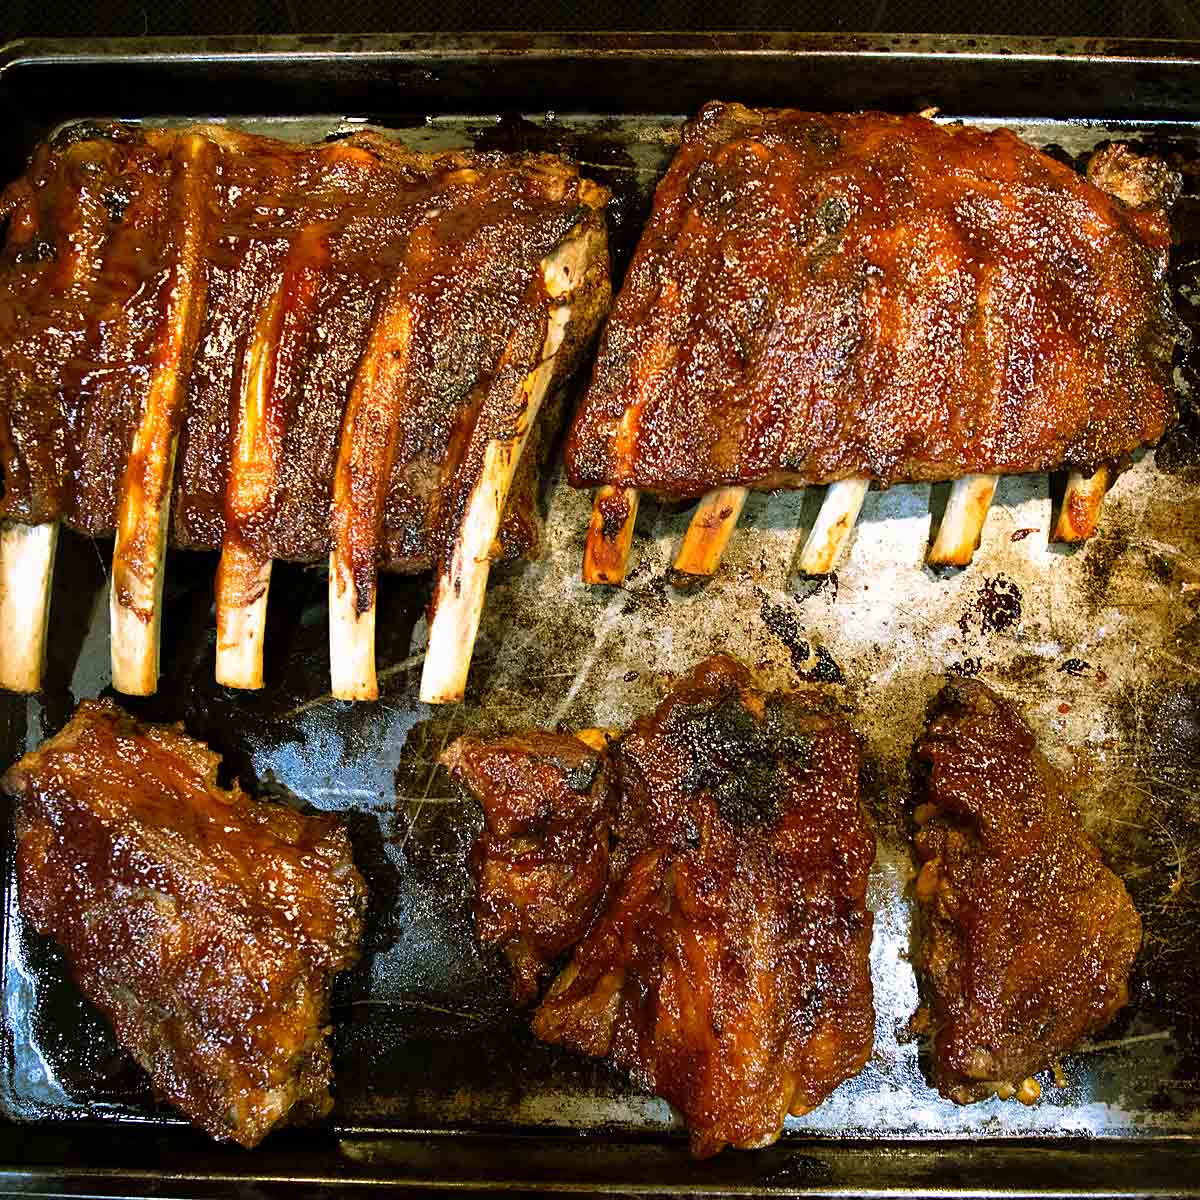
point(727, 967)
point(541, 864)
point(350, 340)
point(205, 925)
point(823, 298)
point(820, 297)
point(1027, 938)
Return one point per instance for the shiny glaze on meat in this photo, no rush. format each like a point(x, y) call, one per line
point(727, 968)
point(541, 864)
point(818, 297)
point(339, 230)
point(1027, 938)
point(205, 925)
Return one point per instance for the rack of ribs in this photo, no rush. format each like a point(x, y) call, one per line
point(207, 926)
point(282, 351)
point(709, 866)
point(1026, 938)
point(846, 298)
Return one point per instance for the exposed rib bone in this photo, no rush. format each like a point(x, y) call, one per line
point(26, 573)
point(1081, 504)
point(962, 522)
point(714, 520)
point(244, 573)
point(135, 604)
point(834, 524)
point(610, 535)
point(459, 591)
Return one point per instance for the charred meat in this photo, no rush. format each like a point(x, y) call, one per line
point(1026, 937)
point(205, 925)
point(727, 966)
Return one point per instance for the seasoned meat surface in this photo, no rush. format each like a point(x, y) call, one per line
point(306, 248)
point(541, 864)
point(207, 926)
point(825, 296)
point(727, 967)
point(1027, 938)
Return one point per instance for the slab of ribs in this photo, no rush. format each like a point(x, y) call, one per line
point(1026, 937)
point(280, 351)
point(707, 874)
point(833, 299)
point(205, 925)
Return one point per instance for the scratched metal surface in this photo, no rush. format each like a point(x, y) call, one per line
point(1100, 648)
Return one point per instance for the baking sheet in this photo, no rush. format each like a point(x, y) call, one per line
point(1099, 646)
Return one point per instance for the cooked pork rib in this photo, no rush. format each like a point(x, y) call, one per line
point(820, 297)
point(1027, 938)
point(727, 968)
point(542, 863)
point(302, 348)
point(835, 299)
point(205, 925)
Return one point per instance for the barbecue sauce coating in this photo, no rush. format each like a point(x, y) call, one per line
point(1026, 937)
point(318, 237)
point(541, 864)
point(819, 297)
point(205, 925)
point(727, 967)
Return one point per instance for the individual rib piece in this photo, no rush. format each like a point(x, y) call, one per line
point(206, 926)
point(541, 865)
point(962, 523)
point(143, 507)
point(1081, 503)
point(1026, 937)
point(237, 284)
point(834, 524)
point(727, 967)
point(272, 355)
point(703, 546)
point(877, 297)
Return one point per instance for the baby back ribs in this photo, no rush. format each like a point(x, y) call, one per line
point(285, 351)
point(1026, 937)
point(205, 925)
point(727, 965)
point(829, 297)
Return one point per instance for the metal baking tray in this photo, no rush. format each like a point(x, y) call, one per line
point(439, 1083)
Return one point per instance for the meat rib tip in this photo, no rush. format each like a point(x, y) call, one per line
point(826, 298)
point(205, 925)
point(708, 534)
point(338, 371)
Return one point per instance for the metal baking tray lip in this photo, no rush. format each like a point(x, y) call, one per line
point(95, 1156)
point(447, 47)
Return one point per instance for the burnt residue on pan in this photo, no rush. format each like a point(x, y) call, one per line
point(425, 1035)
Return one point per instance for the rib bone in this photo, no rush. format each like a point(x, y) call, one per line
point(962, 522)
point(1081, 504)
point(834, 524)
point(26, 573)
point(714, 520)
point(244, 573)
point(135, 604)
point(459, 590)
point(610, 535)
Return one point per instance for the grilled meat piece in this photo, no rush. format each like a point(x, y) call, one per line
point(822, 297)
point(1027, 938)
point(727, 968)
point(205, 925)
point(542, 862)
point(305, 250)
